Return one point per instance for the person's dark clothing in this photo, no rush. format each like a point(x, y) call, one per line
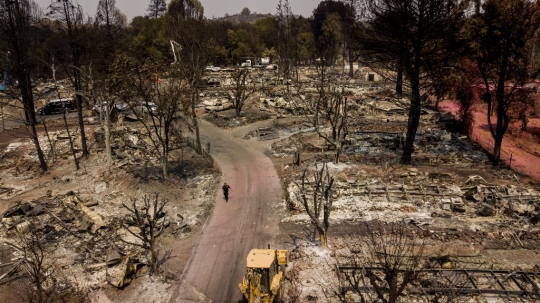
point(226, 191)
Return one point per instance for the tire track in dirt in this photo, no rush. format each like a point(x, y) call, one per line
point(249, 220)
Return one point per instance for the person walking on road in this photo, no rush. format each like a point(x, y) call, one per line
point(226, 188)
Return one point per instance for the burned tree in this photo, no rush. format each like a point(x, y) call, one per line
point(390, 262)
point(146, 223)
point(240, 89)
point(32, 248)
point(47, 285)
point(107, 108)
point(384, 264)
point(17, 19)
point(333, 108)
point(414, 37)
point(71, 147)
point(316, 195)
point(462, 83)
point(502, 37)
point(109, 22)
point(188, 30)
point(154, 101)
point(71, 15)
point(330, 106)
point(285, 39)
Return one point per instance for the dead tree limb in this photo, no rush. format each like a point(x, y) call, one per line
point(150, 220)
point(317, 198)
point(384, 263)
point(31, 246)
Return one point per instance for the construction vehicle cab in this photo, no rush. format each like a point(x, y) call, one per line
point(263, 281)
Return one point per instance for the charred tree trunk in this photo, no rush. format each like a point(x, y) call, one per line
point(399, 79)
point(194, 99)
point(319, 203)
point(49, 139)
point(165, 160)
point(502, 116)
point(34, 136)
point(351, 64)
point(337, 155)
point(78, 98)
point(501, 128)
point(71, 142)
point(107, 130)
point(30, 115)
point(322, 237)
point(412, 124)
point(297, 158)
point(150, 221)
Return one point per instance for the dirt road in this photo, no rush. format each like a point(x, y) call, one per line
point(248, 220)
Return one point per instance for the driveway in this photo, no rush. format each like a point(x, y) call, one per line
point(248, 220)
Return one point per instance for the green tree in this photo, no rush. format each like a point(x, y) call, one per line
point(267, 33)
point(331, 23)
point(330, 39)
point(182, 10)
point(145, 38)
point(245, 12)
point(239, 43)
point(305, 47)
point(269, 53)
point(156, 8)
point(304, 41)
point(218, 34)
point(502, 36)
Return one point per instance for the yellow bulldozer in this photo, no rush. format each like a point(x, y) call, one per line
point(265, 272)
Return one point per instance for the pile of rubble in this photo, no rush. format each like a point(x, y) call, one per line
point(317, 274)
point(287, 98)
point(83, 231)
point(421, 196)
point(79, 214)
point(131, 146)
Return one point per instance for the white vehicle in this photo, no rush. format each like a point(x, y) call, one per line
point(246, 64)
point(212, 68)
point(146, 108)
point(118, 107)
point(264, 61)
